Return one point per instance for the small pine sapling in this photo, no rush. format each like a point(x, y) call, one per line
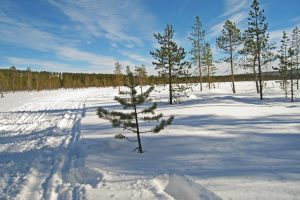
point(134, 114)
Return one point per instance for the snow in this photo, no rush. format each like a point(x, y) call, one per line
point(221, 146)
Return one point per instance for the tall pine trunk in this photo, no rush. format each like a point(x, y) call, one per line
point(232, 74)
point(255, 76)
point(170, 84)
point(208, 73)
point(297, 72)
point(200, 71)
point(292, 84)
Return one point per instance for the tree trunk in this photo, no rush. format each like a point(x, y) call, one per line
point(200, 71)
point(170, 84)
point(297, 72)
point(140, 149)
point(255, 76)
point(208, 74)
point(232, 74)
point(292, 85)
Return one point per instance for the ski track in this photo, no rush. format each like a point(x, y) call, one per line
point(34, 142)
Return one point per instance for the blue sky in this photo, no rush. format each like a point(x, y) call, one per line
point(91, 35)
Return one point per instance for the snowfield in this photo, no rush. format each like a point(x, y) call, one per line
point(220, 146)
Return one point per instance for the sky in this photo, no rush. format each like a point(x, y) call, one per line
point(91, 35)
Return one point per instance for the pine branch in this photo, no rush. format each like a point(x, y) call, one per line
point(163, 124)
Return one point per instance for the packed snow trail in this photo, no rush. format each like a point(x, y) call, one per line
point(35, 140)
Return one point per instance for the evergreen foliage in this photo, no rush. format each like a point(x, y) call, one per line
point(283, 65)
point(296, 48)
point(229, 41)
point(118, 74)
point(135, 114)
point(170, 64)
point(249, 56)
point(209, 67)
point(197, 39)
point(257, 31)
point(141, 74)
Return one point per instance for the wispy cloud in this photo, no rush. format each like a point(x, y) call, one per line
point(234, 6)
point(235, 11)
point(109, 19)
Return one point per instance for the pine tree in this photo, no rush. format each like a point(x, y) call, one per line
point(296, 48)
point(170, 63)
point(197, 38)
point(208, 64)
point(141, 74)
point(229, 41)
point(283, 65)
point(118, 73)
point(257, 30)
point(131, 120)
point(249, 56)
point(291, 63)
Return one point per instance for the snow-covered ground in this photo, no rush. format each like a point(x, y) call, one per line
point(221, 146)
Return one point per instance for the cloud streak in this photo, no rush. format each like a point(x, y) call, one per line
point(109, 19)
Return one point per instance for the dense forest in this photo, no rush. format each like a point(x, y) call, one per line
point(13, 79)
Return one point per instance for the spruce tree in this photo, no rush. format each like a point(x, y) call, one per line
point(257, 30)
point(141, 74)
point(229, 41)
point(170, 64)
point(197, 39)
point(296, 48)
point(118, 74)
point(131, 120)
point(208, 64)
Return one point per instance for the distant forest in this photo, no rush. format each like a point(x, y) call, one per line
point(13, 79)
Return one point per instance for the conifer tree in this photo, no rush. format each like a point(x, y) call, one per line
point(229, 41)
point(131, 120)
point(170, 63)
point(296, 48)
point(141, 74)
point(197, 38)
point(291, 63)
point(118, 74)
point(257, 30)
point(249, 56)
point(208, 64)
point(283, 65)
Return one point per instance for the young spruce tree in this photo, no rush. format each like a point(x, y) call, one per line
point(131, 120)
point(229, 41)
point(197, 38)
point(170, 64)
